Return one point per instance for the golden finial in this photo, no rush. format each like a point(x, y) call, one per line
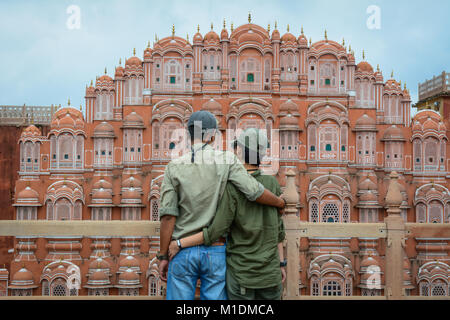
point(156, 37)
point(148, 44)
point(405, 86)
point(232, 27)
point(173, 30)
point(81, 108)
point(364, 55)
point(310, 41)
point(302, 30)
point(326, 37)
point(134, 51)
point(353, 53)
point(198, 28)
point(275, 25)
point(120, 61)
point(350, 48)
point(212, 26)
point(68, 102)
point(105, 70)
point(378, 67)
point(392, 74)
point(187, 37)
point(268, 28)
point(400, 83)
point(343, 42)
point(92, 83)
point(288, 27)
point(249, 17)
point(224, 23)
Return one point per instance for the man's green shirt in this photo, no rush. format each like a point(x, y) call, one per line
point(254, 232)
point(191, 191)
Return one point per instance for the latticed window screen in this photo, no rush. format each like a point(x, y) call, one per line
point(424, 291)
point(431, 148)
point(330, 213)
point(45, 288)
point(435, 212)
point(332, 288)
point(128, 291)
point(421, 212)
point(314, 212)
point(370, 292)
point(348, 288)
point(152, 286)
point(59, 287)
point(346, 212)
point(438, 290)
point(315, 287)
point(154, 205)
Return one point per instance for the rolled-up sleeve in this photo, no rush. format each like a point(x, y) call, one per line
point(169, 196)
point(244, 182)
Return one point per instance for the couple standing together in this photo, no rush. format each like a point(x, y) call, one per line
point(220, 220)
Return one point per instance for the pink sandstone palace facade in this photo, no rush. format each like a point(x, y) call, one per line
point(342, 127)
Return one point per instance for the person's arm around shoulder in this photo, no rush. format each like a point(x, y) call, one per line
point(252, 189)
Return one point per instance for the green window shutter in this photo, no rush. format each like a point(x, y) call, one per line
point(327, 82)
point(172, 80)
point(328, 147)
point(250, 77)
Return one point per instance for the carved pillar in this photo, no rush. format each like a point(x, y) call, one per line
point(291, 224)
point(395, 227)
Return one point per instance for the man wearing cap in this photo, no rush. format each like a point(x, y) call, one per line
point(255, 259)
point(192, 187)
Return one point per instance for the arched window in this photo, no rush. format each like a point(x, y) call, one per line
point(315, 291)
point(63, 208)
point(332, 288)
point(58, 287)
point(173, 74)
point(327, 76)
point(104, 106)
point(154, 207)
point(211, 65)
point(435, 212)
point(431, 148)
point(313, 211)
point(45, 288)
point(131, 213)
point(313, 83)
point(153, 286)
point(330, 212)
point(288, 66)
point(328, 141)
point(66, 150)
point(250, 74)
point(267, 74)
point(133, 145)
point(424, 289)
point(103, 148)
point(133, 90)
point(417, 145)
point(421, 213)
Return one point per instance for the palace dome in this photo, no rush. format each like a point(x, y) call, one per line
point(393, 133)
point(288, 120)
point(102, 183)
point(128, 277)
point(288, 105)
point(429, 124)
point(367, 184)
point(212, 106)
point(104, 78)
point(275, 34)
point(132, 182)
point(27, 194)
point(104, 129)
point(31, 130)
point(99, 263)
point(365, 121)
point(369, 261)
point(302, 40)
point(23, 275)
point(133, 61)
point(211, 37)
point(224, 34)
point(129, 262)
point(288, 37)
point(364, 66)
point(368, 196)
point(99, 276)
point(102, 194)
point(133, 120)
point(119, 72)
point(131, 194)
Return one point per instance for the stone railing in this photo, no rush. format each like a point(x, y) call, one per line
point(25, 115)
point(393, 231)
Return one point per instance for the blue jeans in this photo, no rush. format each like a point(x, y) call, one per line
point(200, 262)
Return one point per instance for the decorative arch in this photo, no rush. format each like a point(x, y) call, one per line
point(434, 278)
point(331, 275)
point(432, 203)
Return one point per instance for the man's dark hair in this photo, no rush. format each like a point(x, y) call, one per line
point(250, 156)
point(191, 133)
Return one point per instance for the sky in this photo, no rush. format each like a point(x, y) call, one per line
point(45, 59)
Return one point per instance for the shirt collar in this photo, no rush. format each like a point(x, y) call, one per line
point(256, 173)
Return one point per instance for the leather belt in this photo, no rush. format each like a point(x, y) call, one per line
point(219, 242)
